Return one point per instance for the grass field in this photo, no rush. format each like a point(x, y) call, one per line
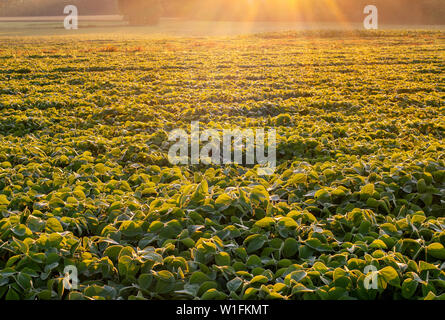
point(85, 180)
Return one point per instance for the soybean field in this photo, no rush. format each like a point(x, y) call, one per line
point(359, 187)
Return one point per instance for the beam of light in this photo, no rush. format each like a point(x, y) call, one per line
point(248, 13)
point(332, 5)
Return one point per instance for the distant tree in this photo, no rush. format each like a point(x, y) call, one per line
point(141, 12)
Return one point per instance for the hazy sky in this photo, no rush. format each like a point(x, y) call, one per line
point(390, 11)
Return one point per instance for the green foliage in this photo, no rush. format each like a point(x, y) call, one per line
point(85, 180)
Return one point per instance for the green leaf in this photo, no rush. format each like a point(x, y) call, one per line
point(300, 288)
point(12, 295)
point(24, 281)
point(336, 293)
point(223, 202)
point(188, 242)
point(409, 287)
point(265, 222)
point(425, 266)
point(53, 225)
point(377, 243)
point(145, 281)
point(390, 275)
point(258, 280)
point(316, 244)
point(320, 267)
point(322, 195)
point(130, 229)
point(213, 294)
point(389, 228)
point(207, 286)
point(367, 191)
point(260, 194)
point(288, 223)
point(21, 245)
point(124, 265)
point(165, 282)
point(4, 200)
point(290, 247)
point(171, 230)
point(222, 259)
point(255, 242)
point(298, 178)
point(201, 191)
point(421, 186)
point(198, 277)
point(254, 261)
point(250, 293)
point(296, 276)
point(100, 168)
point(436, 250)
point(21, 230)
point(56, 203)
point(47, 295)
point(234, 284)
point(113, 251)
point(341, 278)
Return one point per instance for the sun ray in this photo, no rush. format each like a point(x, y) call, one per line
point(340, 17)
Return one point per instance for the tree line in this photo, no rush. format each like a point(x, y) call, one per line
point(149, 11)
